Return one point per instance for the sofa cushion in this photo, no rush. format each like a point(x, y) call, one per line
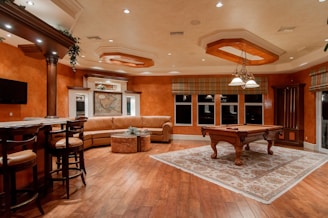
point(154, 121)
point(98, 123)
point(100, 134)
point(118, 131)
point(87, 135)
point(124, 122)
point(154, 131)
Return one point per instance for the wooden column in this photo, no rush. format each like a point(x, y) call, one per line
point(52, 61)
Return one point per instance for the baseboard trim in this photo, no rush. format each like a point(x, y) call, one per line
point(310, 146)
point(190, 137)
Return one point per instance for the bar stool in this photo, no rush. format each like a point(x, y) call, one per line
point(73, 157)
point(18, 152)
point(62, 148)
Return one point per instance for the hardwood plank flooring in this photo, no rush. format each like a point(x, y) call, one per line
point(135, 185)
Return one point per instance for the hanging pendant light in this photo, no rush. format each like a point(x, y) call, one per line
point(251, 84)
point(243, 78)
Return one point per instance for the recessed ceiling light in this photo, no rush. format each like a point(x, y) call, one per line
point(219, 4)
point(174, 72)
point(8, 26)
point(97, 68)
point(30, 3)
point(120, 71)
point(126, 11)
point(146, 73)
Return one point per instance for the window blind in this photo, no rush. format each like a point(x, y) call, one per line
point(203, 86)
point(319, 80)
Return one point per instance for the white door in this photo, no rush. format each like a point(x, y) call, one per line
point(132, 104)
point(78, 103)
point(322, 117)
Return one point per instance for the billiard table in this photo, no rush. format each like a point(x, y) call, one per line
point(239, 135)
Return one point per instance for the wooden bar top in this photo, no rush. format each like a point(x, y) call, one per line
point(31, 121)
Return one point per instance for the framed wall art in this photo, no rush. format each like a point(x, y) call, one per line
point(107, 103)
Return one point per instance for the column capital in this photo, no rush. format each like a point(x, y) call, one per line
point(51, 58)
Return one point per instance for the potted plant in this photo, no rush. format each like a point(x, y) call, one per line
point(74, 50)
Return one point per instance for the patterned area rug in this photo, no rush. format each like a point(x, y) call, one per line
point(262, 177)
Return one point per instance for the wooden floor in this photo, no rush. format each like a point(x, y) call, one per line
point(135, 185)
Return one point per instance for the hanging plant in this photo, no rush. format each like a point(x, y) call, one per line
point(74, 50)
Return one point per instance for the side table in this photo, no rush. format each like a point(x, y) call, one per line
point(143, 141)
point(129, 143)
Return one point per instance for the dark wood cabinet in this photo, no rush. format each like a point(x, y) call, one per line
point(289, 113)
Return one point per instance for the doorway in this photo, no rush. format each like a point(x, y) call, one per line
point(322, 118)
point(78, 103)
point(132, 104)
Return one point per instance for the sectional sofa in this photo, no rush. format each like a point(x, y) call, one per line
point(98, 130)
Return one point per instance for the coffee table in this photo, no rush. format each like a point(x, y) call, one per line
point(129, 143)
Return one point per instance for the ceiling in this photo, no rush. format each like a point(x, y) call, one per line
point(175, 34)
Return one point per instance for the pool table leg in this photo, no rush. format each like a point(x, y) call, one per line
point(238, 151)
point(213, 146)
point(269, 147)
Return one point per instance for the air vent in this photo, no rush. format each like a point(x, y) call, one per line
point(286, 29)
point(177, 33)
point(94, 37)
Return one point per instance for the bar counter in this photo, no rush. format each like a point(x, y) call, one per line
point(44, 160)
point(31, 120)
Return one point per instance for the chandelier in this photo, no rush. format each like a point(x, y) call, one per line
point(242, 77)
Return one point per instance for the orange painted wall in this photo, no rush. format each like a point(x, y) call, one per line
point(309, 102)
point(16, 66)
point(66, 77)
point(156, 97)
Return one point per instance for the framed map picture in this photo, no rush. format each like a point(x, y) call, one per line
point(107, 103)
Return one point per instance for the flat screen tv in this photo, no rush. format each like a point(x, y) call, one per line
point(13, 92)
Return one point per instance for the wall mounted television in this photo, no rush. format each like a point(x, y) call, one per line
point(13, 92)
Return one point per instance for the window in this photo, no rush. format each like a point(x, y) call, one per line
point(206, 109)
point(254, 109)
point(183, 110)
point(229, 109)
